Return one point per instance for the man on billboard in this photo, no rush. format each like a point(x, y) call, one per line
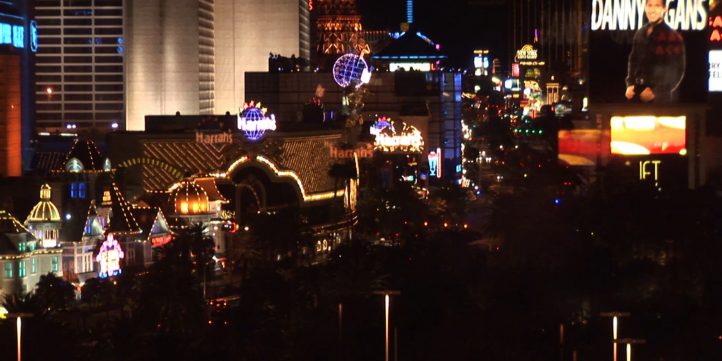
point(657, 62)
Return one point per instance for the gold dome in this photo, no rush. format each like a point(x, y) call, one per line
point(45, 210)
point(189, 198)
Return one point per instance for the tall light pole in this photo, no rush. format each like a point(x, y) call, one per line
point(19, 325)
point(387, 303)
point(615, 323)
point(629, 342)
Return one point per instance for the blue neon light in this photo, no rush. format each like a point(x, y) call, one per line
point(410, 11)
point(12, 35)
point(6, 33)
point(33, 36)
point(18, 36)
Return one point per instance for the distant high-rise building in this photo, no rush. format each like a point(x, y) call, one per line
point(80, 65)
point(190, 56)
point(106, 64)
point(555, 27)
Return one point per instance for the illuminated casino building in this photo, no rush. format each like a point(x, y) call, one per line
point(429, 101)
point(18, 43)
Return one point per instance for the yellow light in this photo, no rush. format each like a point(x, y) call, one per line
point(184, 207)
point(49, 90)
point(195, 207)
point(683, 151)
point(615, 323)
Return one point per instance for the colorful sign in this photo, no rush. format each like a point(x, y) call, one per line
point(435, 163)
point(527, 52)
point(109, 257)
point(405, 139)
point(254, 122)
point(644, 135)
point(33, 36)
point(648, 51)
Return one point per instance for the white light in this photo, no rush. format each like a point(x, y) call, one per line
point(114, 125)
point(68, 216)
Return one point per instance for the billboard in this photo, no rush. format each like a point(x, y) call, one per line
point(645, 135)
point(648, 51)
point(583, 147)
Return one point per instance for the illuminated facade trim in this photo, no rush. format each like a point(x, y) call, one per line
point(285, 174)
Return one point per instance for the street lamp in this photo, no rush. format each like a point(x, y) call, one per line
point(629, 342)
point(615, 322)
point(19, 316)
point(387, 303)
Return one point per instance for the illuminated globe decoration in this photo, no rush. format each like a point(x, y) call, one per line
point(351, 69)
point(254, 122)
point(380, 124)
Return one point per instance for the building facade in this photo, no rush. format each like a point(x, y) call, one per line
point(80, 65)
point(190, 56)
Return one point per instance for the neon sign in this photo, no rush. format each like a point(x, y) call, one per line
point(629, 14)
point(12, 35)
point(645, 172)
point(109, 257)
point(33, 36)
point(527, 52)
point(408, 139)
point(254, 122)
point(433, 164)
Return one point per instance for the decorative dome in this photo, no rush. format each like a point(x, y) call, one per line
point(189, 198)
point(45, 210)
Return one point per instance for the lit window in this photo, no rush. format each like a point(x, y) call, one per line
point(21, 269)
point(22, 246)
point(81, 190)
point(33, 265)
point(184, 207)
point(73, 190)
point(55, 265)
point(8, 269)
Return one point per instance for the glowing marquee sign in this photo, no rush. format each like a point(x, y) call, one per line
point(629, 14)
point(407, 139)
point(527, 52)
point(254, 122)
point(109, 257)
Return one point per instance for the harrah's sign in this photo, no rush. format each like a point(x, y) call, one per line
point(362, 151)
point(681, 15)
point(214, 138)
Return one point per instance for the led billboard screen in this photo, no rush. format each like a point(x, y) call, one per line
point(644, 135)
point(648, 51)
point(583, 147)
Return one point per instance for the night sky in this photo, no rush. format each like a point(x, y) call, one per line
point(460, 26)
